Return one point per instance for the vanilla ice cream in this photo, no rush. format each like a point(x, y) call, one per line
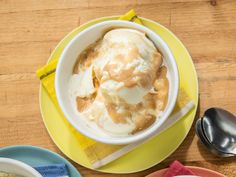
point(120, 74)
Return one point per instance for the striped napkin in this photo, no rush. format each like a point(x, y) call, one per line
point(100, 154)
point(55, 170)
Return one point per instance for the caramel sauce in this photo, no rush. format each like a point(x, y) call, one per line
point(84, 103)
point(149, 101)
point(117, 117)
point(157, 60)
point(145, 79)
point(161, 84)
point(96, 82)
point(143, 122)
point(86, 57)
point(125, 75)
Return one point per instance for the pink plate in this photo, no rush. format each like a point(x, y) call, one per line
point(202, 172)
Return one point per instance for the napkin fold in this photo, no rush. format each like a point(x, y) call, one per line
point(176, 168)
point(55, 170)
point(100, 154)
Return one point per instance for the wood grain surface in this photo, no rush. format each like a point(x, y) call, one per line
point(30, 29)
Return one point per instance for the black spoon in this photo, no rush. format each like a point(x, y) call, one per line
point(217, 131)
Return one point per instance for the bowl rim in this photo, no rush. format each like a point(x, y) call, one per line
point(149, 132)
point(21, 165)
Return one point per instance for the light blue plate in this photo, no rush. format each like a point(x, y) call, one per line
point(35, 156)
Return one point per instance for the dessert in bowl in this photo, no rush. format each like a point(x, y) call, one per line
point(117, 82)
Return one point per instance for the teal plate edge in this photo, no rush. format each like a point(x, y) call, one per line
point(36, 156)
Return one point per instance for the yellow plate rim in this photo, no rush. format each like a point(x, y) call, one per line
point(194, 113)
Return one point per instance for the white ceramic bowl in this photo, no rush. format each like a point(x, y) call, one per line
point(17, 167)
point(64, 72)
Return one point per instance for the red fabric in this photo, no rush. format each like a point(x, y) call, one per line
point(176, 168)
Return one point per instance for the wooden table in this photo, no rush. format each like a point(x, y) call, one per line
point(29, 31)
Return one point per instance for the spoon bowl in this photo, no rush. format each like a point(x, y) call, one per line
point(205, 141)
point(217, 130)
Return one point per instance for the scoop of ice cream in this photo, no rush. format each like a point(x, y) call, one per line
point(126, 66)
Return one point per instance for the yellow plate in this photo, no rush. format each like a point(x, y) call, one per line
point(148, 154)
